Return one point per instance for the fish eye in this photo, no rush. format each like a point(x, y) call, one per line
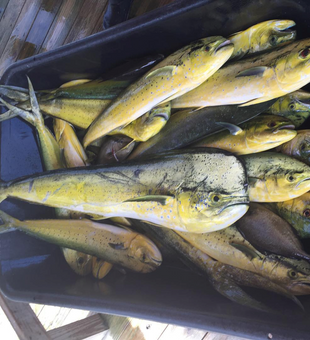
point(306, 213)
point(271, 124)
point(207, 49)
point(304, 53)
point(290, 178)
point(215, 198)
point(80, 260)
point(292, 274)
point(292, 106)
point(303, 146)
point(273, 40)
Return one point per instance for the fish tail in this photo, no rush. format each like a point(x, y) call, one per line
point(7, 222)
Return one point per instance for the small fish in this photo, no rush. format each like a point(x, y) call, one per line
point(230, 247)
point(189, 126)
point(263, 36)
point(297, 213)
point(113, 244)
point(259, 134)
point(253, 80)
point(79, 262)
point(298, 147)
point(225, 279)
point(148, 125)
point(115, 148)
point(269, 233)
point(189, 190)
point(177, 74)
point(100, 268)
point(294, 106)
point(274, 177)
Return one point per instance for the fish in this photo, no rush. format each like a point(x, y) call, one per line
point(269, 233)
point(100, 268)
point(177, 74)
point(224, 278)
point(294, 106)
point(262, 36)
point(79, 262)
point(274, 177)
point(148, 125)
point(259, 134)
point(189, 189)
point(230, 247)
point(298, 147)
point(188, 126)
point(253, 80)
point(115, 148)
point(72, 150)
point(113, 244)
point(297, 213)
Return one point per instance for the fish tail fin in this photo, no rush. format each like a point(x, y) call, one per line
point(7, 222)
point(18, 94)
point(35, 108)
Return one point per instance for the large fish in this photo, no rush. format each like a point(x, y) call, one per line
point(269, 233)
point(259, 134)
point(230, 247)
point(116, 245)
point(196, 190)
point(263, 36)
point(179, 73)
point(294, 106)
point(297, 213)
point(255, 79)
point(298, 147)
point(274, 177)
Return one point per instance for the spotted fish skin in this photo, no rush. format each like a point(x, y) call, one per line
point(197, 190)
point(179, 73)
point(253, 80)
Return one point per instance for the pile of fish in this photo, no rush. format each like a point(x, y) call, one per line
point(196, 152)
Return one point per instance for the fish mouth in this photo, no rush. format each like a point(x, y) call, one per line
point(284, 127)
point(163, 115)
point(285, 26)
point(222, 45)
point(242, 201)
point(305, 102)
point(302, 181)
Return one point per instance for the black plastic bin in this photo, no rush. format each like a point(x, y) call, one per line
point(34, 271)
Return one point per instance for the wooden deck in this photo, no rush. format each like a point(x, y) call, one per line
point(29, 27)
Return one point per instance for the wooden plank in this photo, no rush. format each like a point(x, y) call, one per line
point(99, 25)
point(116, 324)
point(86, 20)
point(40, 27)
point(6, 327)
point(24, 321)
point(80, 329)
point(3, 4)
point(182, 333)
point(19, 34)
point(139, 7)
point(218, 336)
point(62, 24)
point(52, 316)
point(36, 308)
point(8, 21)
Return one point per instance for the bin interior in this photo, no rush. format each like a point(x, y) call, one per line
point(35, 271)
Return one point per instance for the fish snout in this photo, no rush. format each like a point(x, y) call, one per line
point(225, 44)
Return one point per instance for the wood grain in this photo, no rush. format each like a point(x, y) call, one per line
point(3, 4)
point(80, 329)
point(40, 27)
point(182, 333)
point(24, 321)
point(87, 20)
point(139, 7)
point(8, 21)
point(62, 24)
point(19, 33)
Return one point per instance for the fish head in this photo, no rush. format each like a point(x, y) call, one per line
point(268, 129)
point(297, 213)
point(293, 67)
point(272, 33)
point(147, 253)
point(79, 262)
point(212, 207)
point(302, 145)
point(204, 57)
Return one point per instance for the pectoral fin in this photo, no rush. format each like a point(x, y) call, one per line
point(152, 198)
point(256, 101)
point(117, 246)
point(233, 129)
point(254, 71)
point(250, 253)
point(166, 71)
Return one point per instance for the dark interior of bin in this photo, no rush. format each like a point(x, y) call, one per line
point(34, 271)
